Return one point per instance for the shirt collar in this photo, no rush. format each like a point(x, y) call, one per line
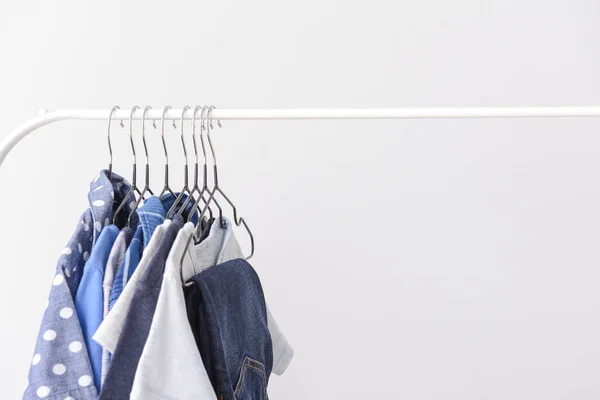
point(105, 196)
point(207, 253)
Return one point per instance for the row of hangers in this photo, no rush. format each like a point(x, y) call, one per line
point(196, 193)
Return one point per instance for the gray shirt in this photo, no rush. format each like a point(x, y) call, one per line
point(114, 261)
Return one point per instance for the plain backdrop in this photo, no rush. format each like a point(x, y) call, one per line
point(408, 259)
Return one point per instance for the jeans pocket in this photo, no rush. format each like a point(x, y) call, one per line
point(252, 381)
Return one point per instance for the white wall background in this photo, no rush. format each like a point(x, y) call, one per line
point(404, 259)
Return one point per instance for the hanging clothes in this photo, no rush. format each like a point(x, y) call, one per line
point(167, 368)
point(61, 366)
point(107, 335)
point(118, 294)
point(151, 214)
point(220, 246)
point(119, 379)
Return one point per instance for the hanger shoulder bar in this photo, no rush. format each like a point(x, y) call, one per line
point(46, 118)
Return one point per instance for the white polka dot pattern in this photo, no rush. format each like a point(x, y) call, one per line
point(49, 335)
point(66, 312)
point(43, 391)
point(75, 347)
point(85, 380)
point(59, 369)
point(58, 279)
point(36, 359)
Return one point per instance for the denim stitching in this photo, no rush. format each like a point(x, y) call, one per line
point(260, 365)
point(258, 369)
point(248, 364)
point(240, 385)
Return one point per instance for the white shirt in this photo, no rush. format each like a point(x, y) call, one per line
point(110, 330)
point(171, 366)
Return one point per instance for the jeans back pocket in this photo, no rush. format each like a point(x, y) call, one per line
point(252, 381)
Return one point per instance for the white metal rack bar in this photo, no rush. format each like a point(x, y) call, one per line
point(45, 118)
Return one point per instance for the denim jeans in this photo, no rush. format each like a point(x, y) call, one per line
point(227, 313)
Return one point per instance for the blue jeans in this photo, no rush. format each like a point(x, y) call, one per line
point(227, 313)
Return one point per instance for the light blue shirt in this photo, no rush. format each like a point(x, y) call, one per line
point(89, 299)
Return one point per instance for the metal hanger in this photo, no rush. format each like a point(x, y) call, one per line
point(186, 190)
point(133, 187)
point(147, 178)
point(202, 129)
point(162, 125)
point(112, 110)
point(204, 189)
point(238, 221)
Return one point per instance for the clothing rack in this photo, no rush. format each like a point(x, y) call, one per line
point(45, 118)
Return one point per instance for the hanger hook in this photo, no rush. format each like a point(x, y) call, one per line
point(183, 111)
point(212, 107)
point(147, 176)
point(202, 128)
point(112, 111)
point(147, 179)
point(196, 109)
point(212, 149)
point(133, 110)
point(185, 188)
point(208, 128)
point(162, 125)
point(133, 188)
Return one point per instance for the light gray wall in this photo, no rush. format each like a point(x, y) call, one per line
point(404, 259)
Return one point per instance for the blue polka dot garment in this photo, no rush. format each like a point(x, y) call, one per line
point(60, 368)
